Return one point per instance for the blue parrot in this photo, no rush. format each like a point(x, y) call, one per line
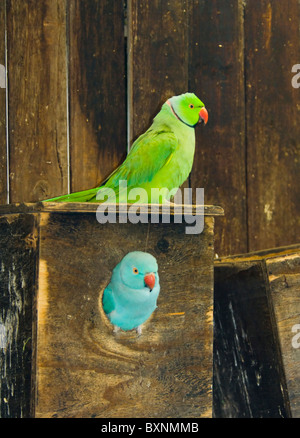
point(130, 297)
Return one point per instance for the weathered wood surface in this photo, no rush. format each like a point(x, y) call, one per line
point(18, 263)
point(37, 75)
point(82, 368)
point(54, 268)
point(256, 312)
point(284, 279)
point(248, 377)
point(86, 207)
point(216, 74)
point(259, 255)
point(158, 57)
point(272, 47)
point(3, 152)
point(256, 308)
point(97, 90)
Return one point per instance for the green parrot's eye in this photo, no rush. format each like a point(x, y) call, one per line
point(135, 271)
point(191, 106)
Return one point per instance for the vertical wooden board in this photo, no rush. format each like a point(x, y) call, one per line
point(158, 58)
point(97, 90)
point(83, 368)
point(3, 149)
point(37, 99)
point(18, 261)
point(249, 378)
point(284, 278)
point(216, 75)
point(272, 47)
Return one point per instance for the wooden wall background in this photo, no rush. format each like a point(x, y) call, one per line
point(85, 77)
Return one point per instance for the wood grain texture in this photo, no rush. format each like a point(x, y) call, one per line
point(259, 255)
point(275, 277)
point(82, 368)
point(18, 261)
point(37, 99)
point(3, 149)
point(249, 378)
point(158, 58)
point(284, 278)
point(97, 90)
point(216, 75)
point(272, 47)
point(86, 207)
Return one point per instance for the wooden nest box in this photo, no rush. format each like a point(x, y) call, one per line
point(60, 355)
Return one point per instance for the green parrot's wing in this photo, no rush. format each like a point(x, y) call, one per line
point(149, 153)
point(108, 300)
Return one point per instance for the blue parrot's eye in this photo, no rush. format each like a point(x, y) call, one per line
point(191, 106)
point(135, 271)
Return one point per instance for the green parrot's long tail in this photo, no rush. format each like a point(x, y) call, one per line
point(83, 196)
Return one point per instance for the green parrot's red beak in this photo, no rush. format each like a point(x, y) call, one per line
point(203, 115)
point(149, 280)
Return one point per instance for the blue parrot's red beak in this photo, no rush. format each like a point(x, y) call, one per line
point(149, 280)
point(203, 115)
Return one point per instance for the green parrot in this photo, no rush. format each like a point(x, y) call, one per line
point(161, 158)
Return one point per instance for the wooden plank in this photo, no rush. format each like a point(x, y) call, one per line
point(18, 261)
point(37, 99)
point(86, 207)
point(158, 58)
point(82, 368)
point(97, 90)
point(272, 45)
point(260, 255)
point(284, 278)
point(281, 267)
point(216, 75)
point(3, 148)
point(249, 377)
